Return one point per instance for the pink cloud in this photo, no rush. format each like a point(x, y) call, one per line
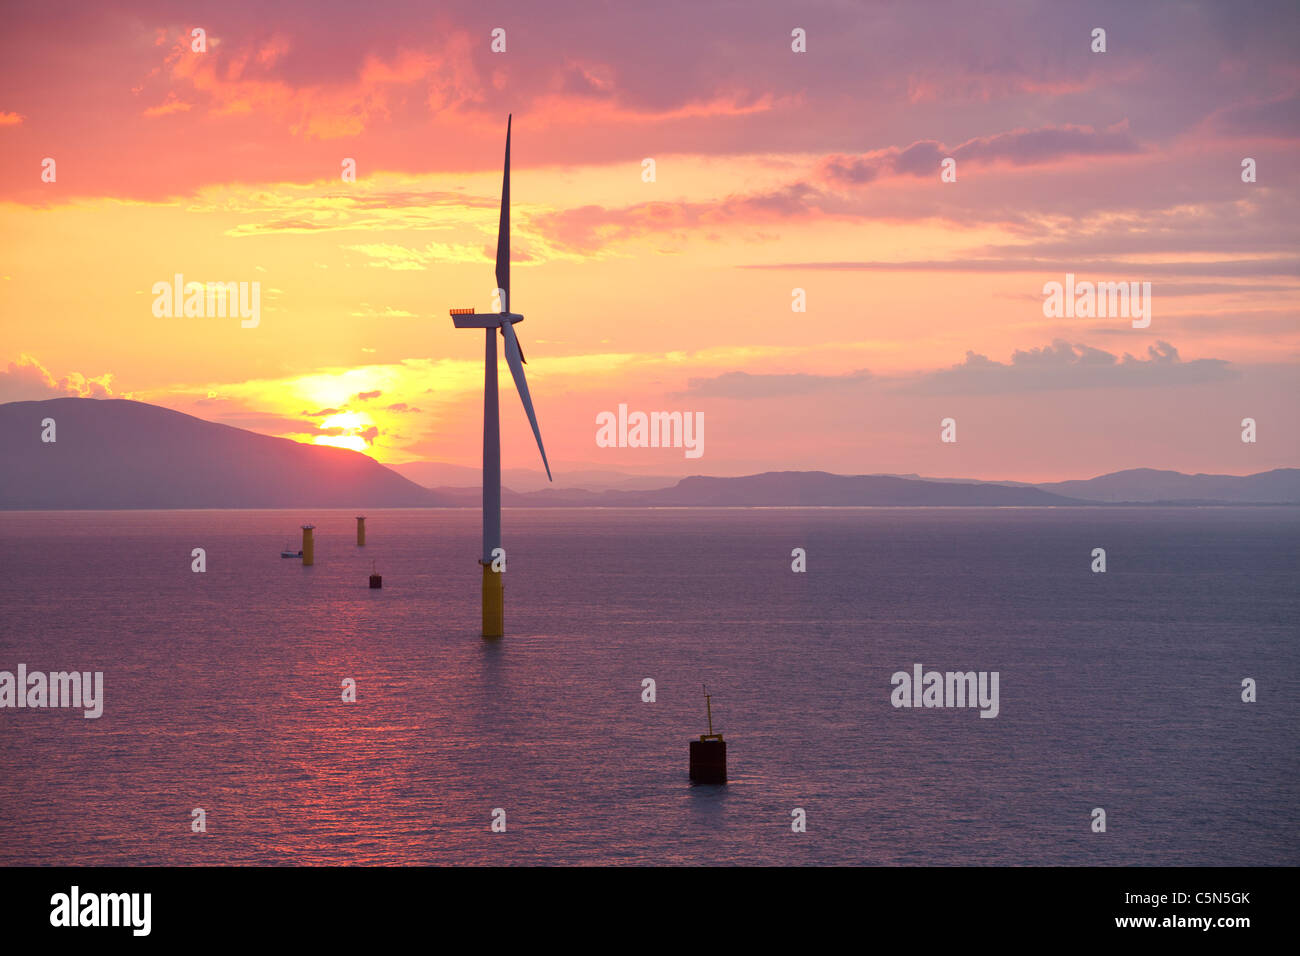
point(282, 87)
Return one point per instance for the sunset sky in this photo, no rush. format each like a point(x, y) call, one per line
point(775, 170)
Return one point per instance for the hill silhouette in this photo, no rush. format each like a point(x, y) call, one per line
point(115, 453)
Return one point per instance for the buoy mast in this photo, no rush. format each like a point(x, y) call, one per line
point(709, 753)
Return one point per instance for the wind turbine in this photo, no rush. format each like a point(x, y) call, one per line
point(493, 587)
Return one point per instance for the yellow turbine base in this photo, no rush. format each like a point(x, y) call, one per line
point(493, 602)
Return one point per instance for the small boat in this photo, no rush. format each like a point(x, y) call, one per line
point(290, 553)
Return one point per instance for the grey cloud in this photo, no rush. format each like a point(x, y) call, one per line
point(1277, 118)
point(1082, 268)
point(1062, 365)
point(769, 385)
point(1022, 147)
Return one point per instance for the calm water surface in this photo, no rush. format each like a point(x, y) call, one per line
point(1118, 690)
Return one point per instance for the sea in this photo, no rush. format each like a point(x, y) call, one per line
point(566, 741)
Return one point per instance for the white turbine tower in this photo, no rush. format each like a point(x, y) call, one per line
point(493, 588)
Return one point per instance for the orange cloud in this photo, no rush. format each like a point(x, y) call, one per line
point(170, 105)
point(29, 380)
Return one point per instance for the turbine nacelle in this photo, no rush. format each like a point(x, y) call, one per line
point(469, 319)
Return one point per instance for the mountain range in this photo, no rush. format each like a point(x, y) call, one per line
point(119, 454)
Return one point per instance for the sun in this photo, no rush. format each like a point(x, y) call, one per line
point(354, 442)
point(347, 428)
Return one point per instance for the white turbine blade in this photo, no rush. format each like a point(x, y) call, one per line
point(503, 229)
point(515, 361)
